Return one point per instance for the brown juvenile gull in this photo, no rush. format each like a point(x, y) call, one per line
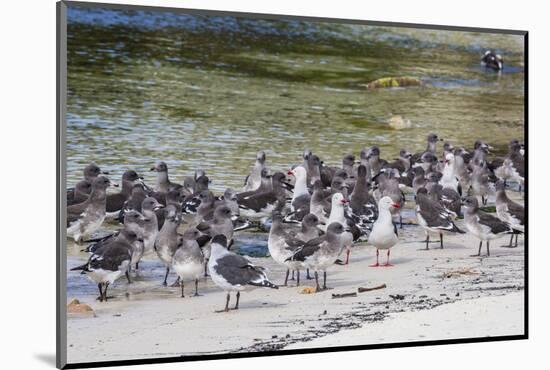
point(509, 211)
point(85, 218)
point(166, 243)
point(281, 245)
point(163, 184)
point(188, 260)
point(91, 172)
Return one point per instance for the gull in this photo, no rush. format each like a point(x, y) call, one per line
point(254, 179)
point(482, 225)
point(320, 253)
point(384, 232)
point(509, 211)
point(85, 218)
point(433, 217)
point(232, 272)
point(188, 260)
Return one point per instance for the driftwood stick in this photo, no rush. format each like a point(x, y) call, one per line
point(344, 295)
point(362, 290)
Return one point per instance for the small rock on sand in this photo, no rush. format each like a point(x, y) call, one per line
point(76, 308)
point(308, 290)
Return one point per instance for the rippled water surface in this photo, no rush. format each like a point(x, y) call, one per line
point(208, 92)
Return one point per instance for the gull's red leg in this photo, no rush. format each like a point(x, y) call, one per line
point(376, 264)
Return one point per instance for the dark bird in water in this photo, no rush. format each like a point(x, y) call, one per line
point(492, 61)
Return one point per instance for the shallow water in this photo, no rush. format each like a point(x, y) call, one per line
point(208, 92)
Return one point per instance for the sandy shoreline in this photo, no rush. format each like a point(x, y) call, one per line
point(471, 318)
point(145, 320)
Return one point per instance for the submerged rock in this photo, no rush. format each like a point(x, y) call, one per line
point(399, 123)
point(393, 82)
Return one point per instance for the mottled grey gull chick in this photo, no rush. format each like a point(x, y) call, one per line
point(362, 204)
point(481, 149)
point(433, 179)
point(281, 245)
point(166, 243)
point(85, 218)
point(312, 164)
point(149, 207)
point(135, 201)
point(229, 198)
point(201, 184)
point(509, 211)
point(188, 261)
point(402, 163)
point(232, 272)
point(319, 205)
point(480, 182)
point(461, 168)
point(419, 180)
point(431, 147)
point(348, 164)
point(163, 184)
point(428, 162)
point(482, 225)
point(115, 202)
point(254, 179)
point(91, 172)
point(320, 253)
point(80, 192)
point(220, 224)
point(375, 164)
point(388, 186)
point(299, 205)
point(513, 166)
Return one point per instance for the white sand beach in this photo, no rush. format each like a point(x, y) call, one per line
point(435, 294)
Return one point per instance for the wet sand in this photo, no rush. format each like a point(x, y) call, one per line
point(435, 294)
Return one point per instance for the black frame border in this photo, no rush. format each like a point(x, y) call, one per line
point(61, 263)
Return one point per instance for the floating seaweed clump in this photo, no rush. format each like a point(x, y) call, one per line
point(386, 82)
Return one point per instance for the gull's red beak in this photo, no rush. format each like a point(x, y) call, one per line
point(395, 205)
point(290, 172)
point(344, 201)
